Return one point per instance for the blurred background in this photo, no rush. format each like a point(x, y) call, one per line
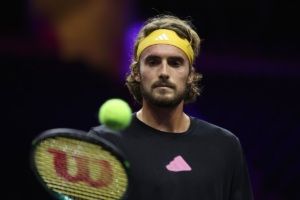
point(60, 60)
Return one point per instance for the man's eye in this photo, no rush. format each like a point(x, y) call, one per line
point(175, 63)
point(153, 62)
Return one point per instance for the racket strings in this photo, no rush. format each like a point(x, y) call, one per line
point(80, 170)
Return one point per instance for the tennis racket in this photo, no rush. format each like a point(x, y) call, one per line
point(73, 165)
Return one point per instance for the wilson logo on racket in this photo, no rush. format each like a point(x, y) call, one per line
point(83, 168)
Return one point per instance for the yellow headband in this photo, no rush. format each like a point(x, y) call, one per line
point(165, 36)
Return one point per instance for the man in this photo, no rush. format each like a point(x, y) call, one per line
point(173, 155)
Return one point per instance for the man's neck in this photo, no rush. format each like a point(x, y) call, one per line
point(168, 119)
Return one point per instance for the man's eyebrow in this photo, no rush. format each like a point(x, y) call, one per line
point(179, 58)
point(149, 57)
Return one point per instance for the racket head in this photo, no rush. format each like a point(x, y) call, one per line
point(71, 164)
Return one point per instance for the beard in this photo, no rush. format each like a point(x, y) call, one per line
point(161, 100)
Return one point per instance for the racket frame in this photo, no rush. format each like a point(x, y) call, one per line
point(82, 136)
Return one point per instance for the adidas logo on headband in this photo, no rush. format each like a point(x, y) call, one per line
point(162, 37)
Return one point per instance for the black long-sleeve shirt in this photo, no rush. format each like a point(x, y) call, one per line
point(205, 163)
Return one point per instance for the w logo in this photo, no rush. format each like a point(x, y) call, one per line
point(162, 37)
point(84, 172)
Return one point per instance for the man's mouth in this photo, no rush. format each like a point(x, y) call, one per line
point(163, 85)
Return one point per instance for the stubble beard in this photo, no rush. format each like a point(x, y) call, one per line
point(162, 100)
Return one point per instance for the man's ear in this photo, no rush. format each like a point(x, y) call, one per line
point(190, 78)
point(137, 77)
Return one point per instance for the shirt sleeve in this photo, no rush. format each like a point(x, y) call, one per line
point(241, 188)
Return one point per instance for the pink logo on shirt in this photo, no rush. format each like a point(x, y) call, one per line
point(178, 164)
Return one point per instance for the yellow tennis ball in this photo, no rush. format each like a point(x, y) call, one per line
point(115, 113)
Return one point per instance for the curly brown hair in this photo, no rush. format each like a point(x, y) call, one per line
point(184, 29)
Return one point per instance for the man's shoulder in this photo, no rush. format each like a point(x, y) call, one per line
point(212, 129)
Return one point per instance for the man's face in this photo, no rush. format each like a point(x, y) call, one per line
point(164, 74)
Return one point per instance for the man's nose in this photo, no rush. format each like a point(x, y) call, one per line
point(164, 70)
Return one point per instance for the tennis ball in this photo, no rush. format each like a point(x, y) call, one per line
point(115, 113)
